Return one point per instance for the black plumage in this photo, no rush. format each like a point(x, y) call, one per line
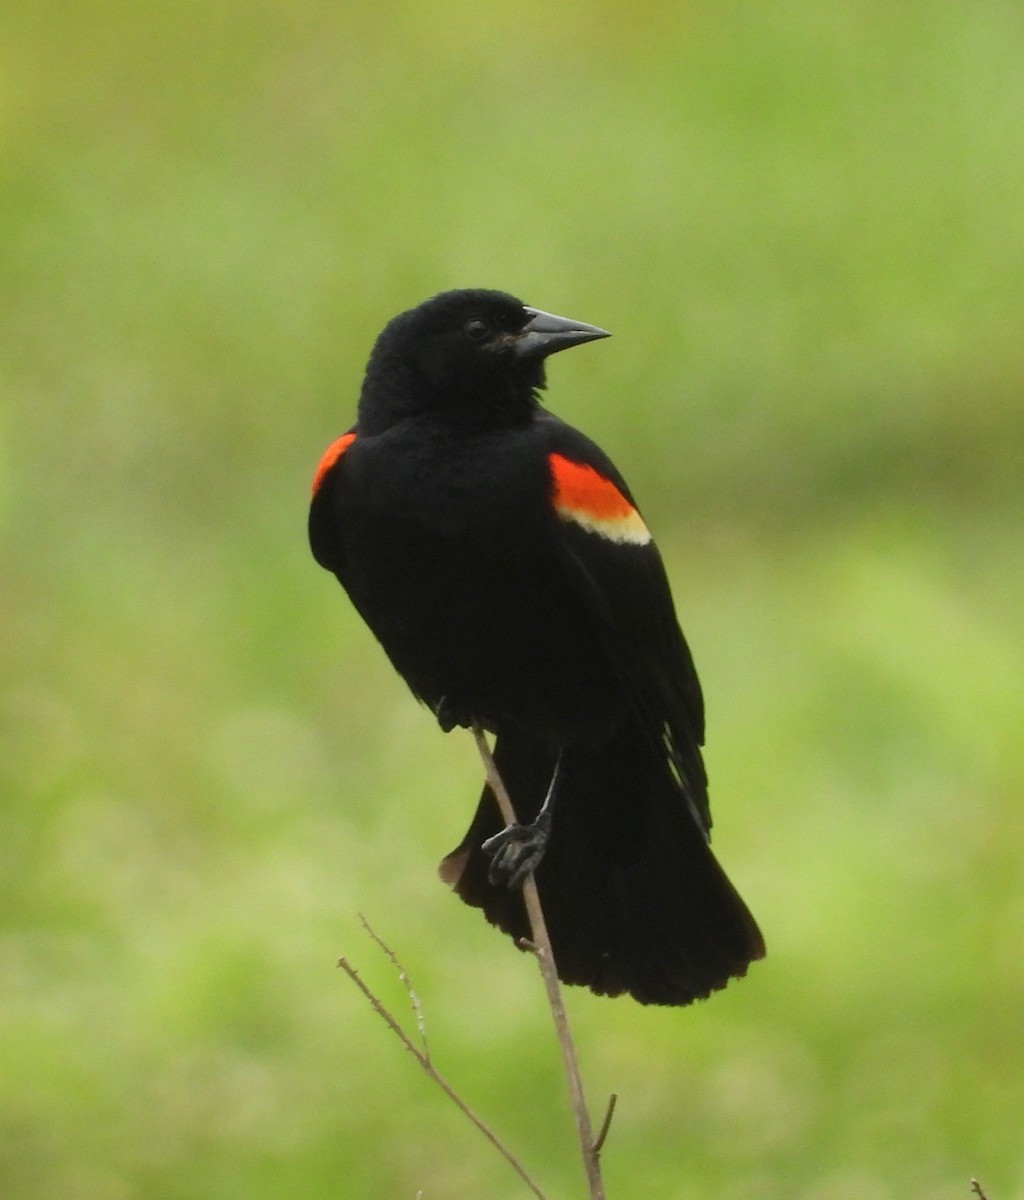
point(500, 559)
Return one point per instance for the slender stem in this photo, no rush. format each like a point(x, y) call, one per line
point(423, 1058)
point(606, 1124)
point(541, 946)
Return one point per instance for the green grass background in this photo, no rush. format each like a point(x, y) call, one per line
point(805, 225)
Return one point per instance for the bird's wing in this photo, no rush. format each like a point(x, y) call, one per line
point(324, 535)
point(613, 561)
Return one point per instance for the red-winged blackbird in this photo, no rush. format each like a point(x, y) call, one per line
point(499, 558)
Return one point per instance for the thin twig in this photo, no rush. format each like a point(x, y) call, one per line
point(541, 946)
point(978, 1190)
point(606, 1124)
point(403, 976)
point(423, 1058)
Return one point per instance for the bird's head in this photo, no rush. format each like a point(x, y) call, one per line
point(476, 354)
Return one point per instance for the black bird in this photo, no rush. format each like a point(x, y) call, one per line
point(501, 561)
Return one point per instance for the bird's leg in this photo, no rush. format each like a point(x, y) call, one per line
point(516, 851)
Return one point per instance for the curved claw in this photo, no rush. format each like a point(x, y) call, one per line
point(517, 851)
point(449, 715)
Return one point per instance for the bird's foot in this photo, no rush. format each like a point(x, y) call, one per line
point(516, 851)
point(450, 715)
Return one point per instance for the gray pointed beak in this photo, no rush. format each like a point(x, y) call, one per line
point(546, 334)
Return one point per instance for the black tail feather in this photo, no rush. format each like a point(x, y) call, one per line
point(634, 899)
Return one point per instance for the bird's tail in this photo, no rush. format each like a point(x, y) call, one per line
point(633, 897)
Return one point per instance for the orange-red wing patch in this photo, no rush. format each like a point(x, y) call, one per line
point(331, 455)
point(593, 502)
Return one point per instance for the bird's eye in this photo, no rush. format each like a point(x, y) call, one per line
point(478, 329)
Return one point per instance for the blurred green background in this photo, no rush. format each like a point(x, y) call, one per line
point(805, 225)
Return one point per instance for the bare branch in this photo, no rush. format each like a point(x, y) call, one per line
point(423, 1057)
point(541, 946)
point(403, 976)
point(978, 1190)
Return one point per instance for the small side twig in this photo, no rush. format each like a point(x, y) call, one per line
point(541, 946)
point(606, 1124)
point(403, 976)
point(978, 1190)
point(423, 1056)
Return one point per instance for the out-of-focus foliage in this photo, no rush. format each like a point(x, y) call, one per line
point(804, 224)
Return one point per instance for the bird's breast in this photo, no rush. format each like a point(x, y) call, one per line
point(455, 564)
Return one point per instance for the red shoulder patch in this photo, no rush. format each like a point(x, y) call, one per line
point(591, 500)
point(330, 456)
